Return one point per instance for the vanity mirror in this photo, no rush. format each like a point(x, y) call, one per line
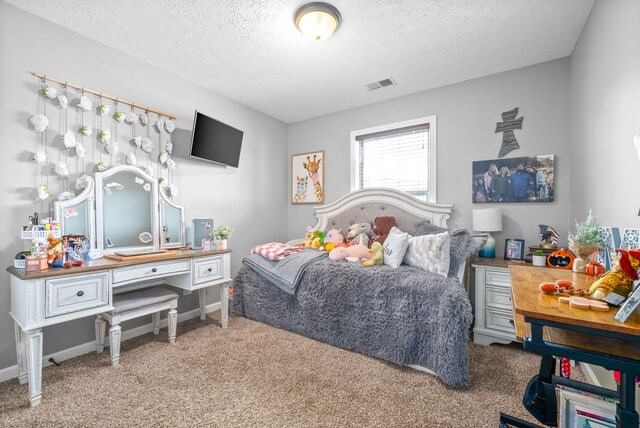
point(171, 222)
point(77, 216)
point(126, 210)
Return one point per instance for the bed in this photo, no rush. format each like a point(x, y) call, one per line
point(407, 316)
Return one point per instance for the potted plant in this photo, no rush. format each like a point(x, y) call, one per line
point(539, 258)
point(584, 243)
point(221, 234)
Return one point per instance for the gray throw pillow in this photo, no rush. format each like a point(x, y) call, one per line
point(460, 240)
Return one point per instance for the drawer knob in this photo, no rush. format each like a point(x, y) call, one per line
point(80, 293)
point(154, 270)
point(210, 270)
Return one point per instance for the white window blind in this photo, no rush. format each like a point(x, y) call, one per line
point(396, 158)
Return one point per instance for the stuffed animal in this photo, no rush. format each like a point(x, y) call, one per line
point(55, 252)
point(334, 236)
point(359, 233)
point(377, 255)
point(354, 253)
point(616, 284)
point(381, 227)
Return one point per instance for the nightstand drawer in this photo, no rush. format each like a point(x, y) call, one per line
point(498, 278)
point(499, 298)
point(208, 269)
point(150, 271)
point(499, 320)
point(76, 293)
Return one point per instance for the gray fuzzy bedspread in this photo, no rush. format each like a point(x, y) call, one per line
point(404, 315)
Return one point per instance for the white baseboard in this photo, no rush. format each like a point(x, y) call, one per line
point(85, 348)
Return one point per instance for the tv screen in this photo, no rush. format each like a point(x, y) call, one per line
point(214, 141)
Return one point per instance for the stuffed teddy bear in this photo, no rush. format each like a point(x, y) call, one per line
point(352, 253)
point(616, 284)
point(377, 255)
point(381, 227)
point(359, 233)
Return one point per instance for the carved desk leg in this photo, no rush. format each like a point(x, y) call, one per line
point(33, 340)
point(21, 354)
point(101, 327)
point(114, 340)
point(202, 297)
point(224, 305)
point(172, 320)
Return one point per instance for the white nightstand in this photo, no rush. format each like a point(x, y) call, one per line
point(493, 309)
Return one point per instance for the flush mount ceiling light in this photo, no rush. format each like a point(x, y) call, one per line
point(317, 20)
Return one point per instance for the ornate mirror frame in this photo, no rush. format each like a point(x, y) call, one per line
point(88, 195)
point(164, 202)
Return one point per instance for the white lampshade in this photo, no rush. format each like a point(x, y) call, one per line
point(487, 219)
point(318, 20)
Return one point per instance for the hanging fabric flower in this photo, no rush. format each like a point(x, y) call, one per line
point(119, 116)
point(131, 159)
point(80, 150)
point(81, 182)
point(169, 126)
point(50, 93)
point(104, 135)
point(85, 103)
point(144, 119)
point(112, 147)
point(164, 156)
point(159, 125)
point(40, 156)
point(69, 139)
point(86, 130)
point(43, 191)
point(137, 141)
point(169, 147)
point(63, 101)
point(104, 109)
point(172, 190)
point(61, 169)
point(39, 122)
point(147, 145)
point(171, 164)
point(131, 117)
point(102, 166)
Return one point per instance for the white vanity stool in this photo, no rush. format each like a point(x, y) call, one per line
point(133, 305)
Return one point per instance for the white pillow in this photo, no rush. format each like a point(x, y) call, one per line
point(395, 246)
point(430, 252)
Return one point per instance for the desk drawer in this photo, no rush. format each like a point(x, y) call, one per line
point(150, 271)
point(499, 320)
point(499, 298)
point(76, 293)
point(498, 278)
point(208, 269)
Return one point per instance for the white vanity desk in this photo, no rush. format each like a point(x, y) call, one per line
point(41, 299)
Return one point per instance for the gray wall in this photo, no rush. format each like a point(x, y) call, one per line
point(466, 118)
point(230, 196)
point(605, 115)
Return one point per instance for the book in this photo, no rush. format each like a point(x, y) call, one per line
point(629, 305)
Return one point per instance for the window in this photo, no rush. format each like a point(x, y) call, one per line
point(400, 155)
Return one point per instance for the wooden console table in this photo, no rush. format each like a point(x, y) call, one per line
point(42, 299)
point(550, 328)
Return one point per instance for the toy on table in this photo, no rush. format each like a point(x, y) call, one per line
point(556, 287)
point(616, 284)
point(561, 258)
point(382, 226)
point(594, 268)
point(352, 253)
point(55, 252)
point(359, 233)
point(377, 255)
point(584, 303)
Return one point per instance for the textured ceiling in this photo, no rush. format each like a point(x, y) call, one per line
point(250, 50)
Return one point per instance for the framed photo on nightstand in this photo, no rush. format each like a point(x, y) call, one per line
point(514, 249)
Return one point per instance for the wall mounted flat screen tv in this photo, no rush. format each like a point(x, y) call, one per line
point(214, 141)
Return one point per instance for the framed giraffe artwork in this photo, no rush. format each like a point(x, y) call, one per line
point(307, 178)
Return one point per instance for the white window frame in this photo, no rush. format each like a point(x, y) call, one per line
point(431, 120)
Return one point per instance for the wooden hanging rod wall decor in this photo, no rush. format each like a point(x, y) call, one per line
point(100, 94)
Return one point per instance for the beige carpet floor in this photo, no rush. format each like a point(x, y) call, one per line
point(254, 375)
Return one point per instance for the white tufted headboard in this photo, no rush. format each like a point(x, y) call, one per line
point(363, 206)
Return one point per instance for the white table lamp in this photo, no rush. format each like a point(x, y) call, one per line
point(487, 220)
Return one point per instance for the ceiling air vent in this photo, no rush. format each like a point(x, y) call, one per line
point(380, 84)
